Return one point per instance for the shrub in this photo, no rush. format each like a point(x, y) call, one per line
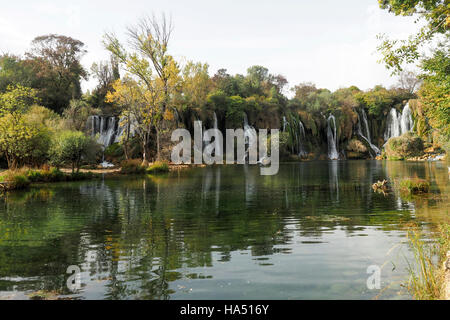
point(407, 145)
point(71, 147)
point(158, 167)
point(356, 146)
point(14, 179)
point(414, 186)
point(133, 166)
point(115, 151)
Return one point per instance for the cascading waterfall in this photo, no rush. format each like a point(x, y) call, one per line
point(217, 145)
point(332, 139)
point(105, 127)
point(366, 134)
point(107, 133)
point(250, 136)
point(297, 130)
point(398, 123)
point(301, 137)
point(284, 123)
point(406, 122)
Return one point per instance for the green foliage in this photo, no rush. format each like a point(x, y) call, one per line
point(158, 167)
point(49, 175)
point(56, 62)
point(19, 139)
point(14, 180)
point(407, 145)
point(115, 151)
point(71, 147)
point(398, 52)
point(15, 71)
point(434, 93)
point(414, 186)
point(77, 113)
point(380, 100)
point(427, 277)
point(132, 166)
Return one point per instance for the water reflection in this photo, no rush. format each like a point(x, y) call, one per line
point(216, 232)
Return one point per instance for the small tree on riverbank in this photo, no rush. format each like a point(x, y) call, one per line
point(71, 147)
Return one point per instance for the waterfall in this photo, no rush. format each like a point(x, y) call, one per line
point(398, 123)
point(250, 136)
point(366, 134)
point(107, 132)
point(332, 141)
point(301, 137)
point(217, 145)
point(105, 127)
point(284, 123)
point(406, 122)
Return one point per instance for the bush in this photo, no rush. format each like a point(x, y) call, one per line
point(415, 186)
point(51, 175)
point(14, 179)
point(114, 151)
point(158, 167)
point(407, 145)
point(71, 147)
point(133, 166)
point(356, 146)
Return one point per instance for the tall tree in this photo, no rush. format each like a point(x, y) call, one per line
point(56, 61)
point(106, 72)
point(148, 60)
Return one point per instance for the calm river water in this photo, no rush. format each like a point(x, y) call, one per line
point(220, 232)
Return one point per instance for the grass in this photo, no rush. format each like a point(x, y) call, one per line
point(158, 167)
point(132, 166)
point(135, 166)
point(427, 277)
point(23, 177)
point(414, 185)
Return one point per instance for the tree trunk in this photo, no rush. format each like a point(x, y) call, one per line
point(157, 144)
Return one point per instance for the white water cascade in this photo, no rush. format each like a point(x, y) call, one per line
point(250, 136)
point(406, 122)
point(301, 137)
point(366, 133)
point(217, 145)
point(332, 139)
point(284, 123)
point(105, 127)
point(398, 123)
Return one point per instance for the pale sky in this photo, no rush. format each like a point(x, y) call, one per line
point(328, 42)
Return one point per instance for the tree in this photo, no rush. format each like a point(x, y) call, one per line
point(77, 113)
point(303, 90)
point(71, 147)
point(56, 60)
point(16, 136)
point(15, 71)
point(151, 63)
point(409, 81)
point(434, 93)
point(398, 52)
point(140, 108)
point(106, 72)
point(195, 85)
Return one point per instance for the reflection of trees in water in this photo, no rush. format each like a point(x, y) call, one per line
point(139, 235)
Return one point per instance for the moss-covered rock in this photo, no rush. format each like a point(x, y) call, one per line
point(407, 145)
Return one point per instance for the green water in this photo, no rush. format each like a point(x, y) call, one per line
point(222, 232)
